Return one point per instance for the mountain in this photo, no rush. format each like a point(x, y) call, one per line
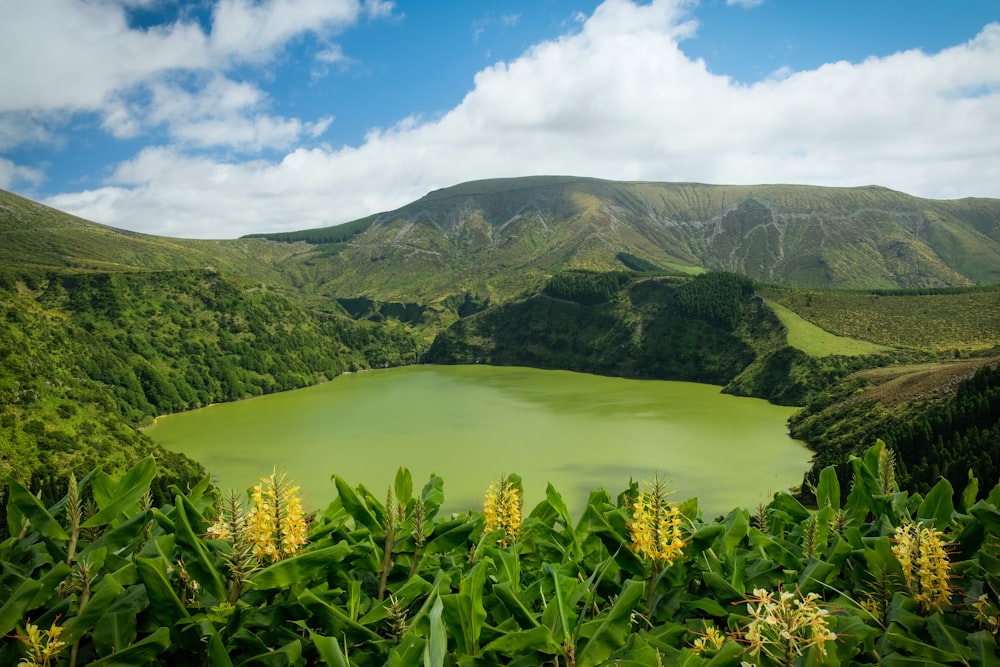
point(498, 238)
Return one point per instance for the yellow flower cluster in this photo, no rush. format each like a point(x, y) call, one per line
point(926, 567)
point(502, 509)
point(712, 640)
point(43, 646)
point(786, 626)
point(274, 525)
point(656, 526)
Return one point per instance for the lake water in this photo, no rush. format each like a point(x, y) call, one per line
point(471, 424)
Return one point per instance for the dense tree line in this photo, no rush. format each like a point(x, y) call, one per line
point(586, 287)
point(931, 439)
point(85, 359)
point(717, 297)
point(335, 234)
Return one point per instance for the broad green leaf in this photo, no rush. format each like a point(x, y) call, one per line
point(464, 612)
point(129, 533)
point(525, 641)
point(451, 538)
point(918, 648)
point(613, 629)
point(970, 492)
point(432, 495)
point(218, 656)
point(705, 536)
point(938, 506)
point(515, 607)
point(94, 612)
point(17, 604)
point(196, 556)
point(164, 604)
point(899, 660)
point(828, 489)
point(128, 493)
point(984, 649)
point(329, 650)
point(409, 652)
point(304, 568)
point(560, 603)
point(332, 619)
point(287, 655)
point(140, 653)
point(737, 524)
point(115, 631)
point(988, 515)
point(50, 582)
point(403, 486)
point(355, 506)
point(947, 638)
point(559, 505)
point(436, 649)
point(32, 509)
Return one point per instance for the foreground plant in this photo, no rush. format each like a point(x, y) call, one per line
point(502, 509)
point(43, 646)
point(783, 627)
point(922, 553)
point(273, 524)
point(656, 531)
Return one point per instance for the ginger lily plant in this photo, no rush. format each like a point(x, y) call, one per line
point(879, 576)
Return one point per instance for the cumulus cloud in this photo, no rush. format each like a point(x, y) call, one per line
point(12, 175)
point(617, 98)
point(80, 56)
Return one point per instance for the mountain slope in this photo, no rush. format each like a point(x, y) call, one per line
point(499, 237)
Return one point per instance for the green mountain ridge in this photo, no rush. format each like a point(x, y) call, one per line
point(498, 238)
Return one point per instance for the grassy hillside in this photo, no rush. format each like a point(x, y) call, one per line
point(711, 328)
point(502, 238)
point(964, 320)
point(89, 357)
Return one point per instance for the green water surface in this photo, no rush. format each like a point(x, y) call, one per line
point(470, 424)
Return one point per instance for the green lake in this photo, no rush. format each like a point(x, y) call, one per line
point(471, 424)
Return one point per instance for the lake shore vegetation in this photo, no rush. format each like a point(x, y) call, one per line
point(873, 575)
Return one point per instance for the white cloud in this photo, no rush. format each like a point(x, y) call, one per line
point(616, 99)
point(12, 175)
point(82, 56)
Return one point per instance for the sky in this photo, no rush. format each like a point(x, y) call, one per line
point(219, 118)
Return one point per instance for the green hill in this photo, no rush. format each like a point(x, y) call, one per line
point(499, 238)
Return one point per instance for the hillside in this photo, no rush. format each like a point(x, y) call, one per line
point(498, 238)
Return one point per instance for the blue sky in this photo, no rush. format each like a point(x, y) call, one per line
point(217, 118)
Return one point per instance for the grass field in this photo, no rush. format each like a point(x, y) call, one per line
point(818, 342)
point(964, 321)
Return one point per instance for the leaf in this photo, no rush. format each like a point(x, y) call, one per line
point(164, 604)
point(329, 650)
point(946, 637)
point(938, 506)
point(355, 506)
point(451, 538)
point(988, 515)
point(139, 653)
point(970, 492)
point(433, 496)
point(17, 604)
point(129, 492)
point(333, 620)
point(196, 557)
point(303, 568)
point(737, 524)
point(33, 510)
point(613, 630)
point(705, 536)
point(520, 642)
point(105, 594)
point(464, 611)
point(403, 486)
point(115, 631)
point(984, 649)
point(828, 489)
point(436, 649)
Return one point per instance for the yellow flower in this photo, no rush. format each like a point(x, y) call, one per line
point(502, 509)
point(656, 528)
point(711, 640)
point(785, 626)
point(273, 526)
point(43, 646)
point(922, 554)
